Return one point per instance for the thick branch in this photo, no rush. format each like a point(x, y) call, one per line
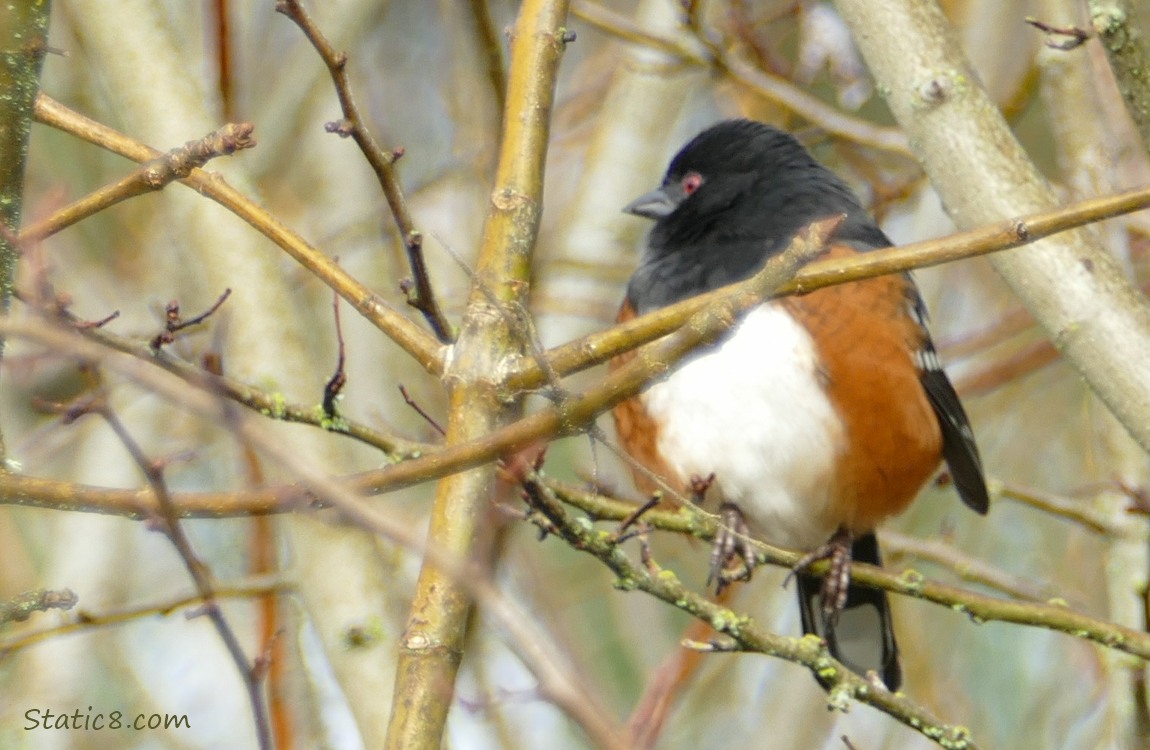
point(1128, 50)
point(603, 345)
point(1072, 286)
point(23, 44)
point(432, 647)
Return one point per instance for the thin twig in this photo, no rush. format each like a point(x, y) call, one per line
point(155, 174)
point(1076, 36)
point(174, 323)
point(335, 384)
point(423, 348)
point(83, 620)
point(1061, 507)
point(734, 64)
point(272, 405)
point(808, 651)
point(169, 524)
point(407, 399)
point(21, 607)
point(602, 346)
point(422, 298)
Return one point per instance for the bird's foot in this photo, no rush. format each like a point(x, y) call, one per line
point(837, 580)
point(733, 555)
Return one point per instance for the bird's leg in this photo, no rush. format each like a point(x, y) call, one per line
point(732, 543)
point(837, 581)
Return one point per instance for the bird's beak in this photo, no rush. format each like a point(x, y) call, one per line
point(653, 205)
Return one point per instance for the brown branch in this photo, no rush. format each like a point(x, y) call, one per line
point(772, 87)
point(602, 346)
point(566, 418)
point(1075, 37)
point(82, 620)
point(407, 334)
point(21, 607)
point(272, 405)
point(174, 323)
point(407, 399)
point(154, 174)
point(334, 386)
point(381, 161)
point(169, 523)
point(809, 651)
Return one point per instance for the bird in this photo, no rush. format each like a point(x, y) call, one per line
point(815, 417)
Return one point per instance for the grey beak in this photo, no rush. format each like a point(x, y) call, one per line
point(653, 205)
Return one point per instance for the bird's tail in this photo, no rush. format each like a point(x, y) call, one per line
point(863, 637)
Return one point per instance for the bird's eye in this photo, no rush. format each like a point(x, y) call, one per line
point(691, 182)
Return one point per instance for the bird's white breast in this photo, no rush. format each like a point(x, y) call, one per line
point(754, 413)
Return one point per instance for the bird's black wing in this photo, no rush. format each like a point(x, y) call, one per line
point(958, 447)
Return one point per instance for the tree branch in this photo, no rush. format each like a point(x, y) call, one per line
point(155, 174)
point(809, 651)
point(1072, 286)
point(432, 646)
point(1128, 50)
point(408, 335)
point(421, 298)
point(23, 45)
point(1002, 235)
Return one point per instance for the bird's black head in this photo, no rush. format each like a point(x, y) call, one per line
point(732, 197)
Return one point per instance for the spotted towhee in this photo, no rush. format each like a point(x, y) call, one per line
point(818, 416)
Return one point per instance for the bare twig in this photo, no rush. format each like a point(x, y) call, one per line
point(1076, 37)
point(407, 399)
point(83, 620)
point(406, 333)
point(174, 323)
point(422, 298)
point(169, 524)
point(1061, 507)
point(602, 346)
point(809, 651)
point(336, 382)
point(21, 607)
point(772, 87)
point(155, 174)
point(272, 405)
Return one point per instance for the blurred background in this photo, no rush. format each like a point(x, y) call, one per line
point(640, 79)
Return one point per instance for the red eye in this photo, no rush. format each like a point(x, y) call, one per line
point(691, 182)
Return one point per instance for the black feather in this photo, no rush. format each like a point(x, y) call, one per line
point(958, 447)
point(852, 640)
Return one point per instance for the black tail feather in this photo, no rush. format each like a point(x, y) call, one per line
point(863, 637)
